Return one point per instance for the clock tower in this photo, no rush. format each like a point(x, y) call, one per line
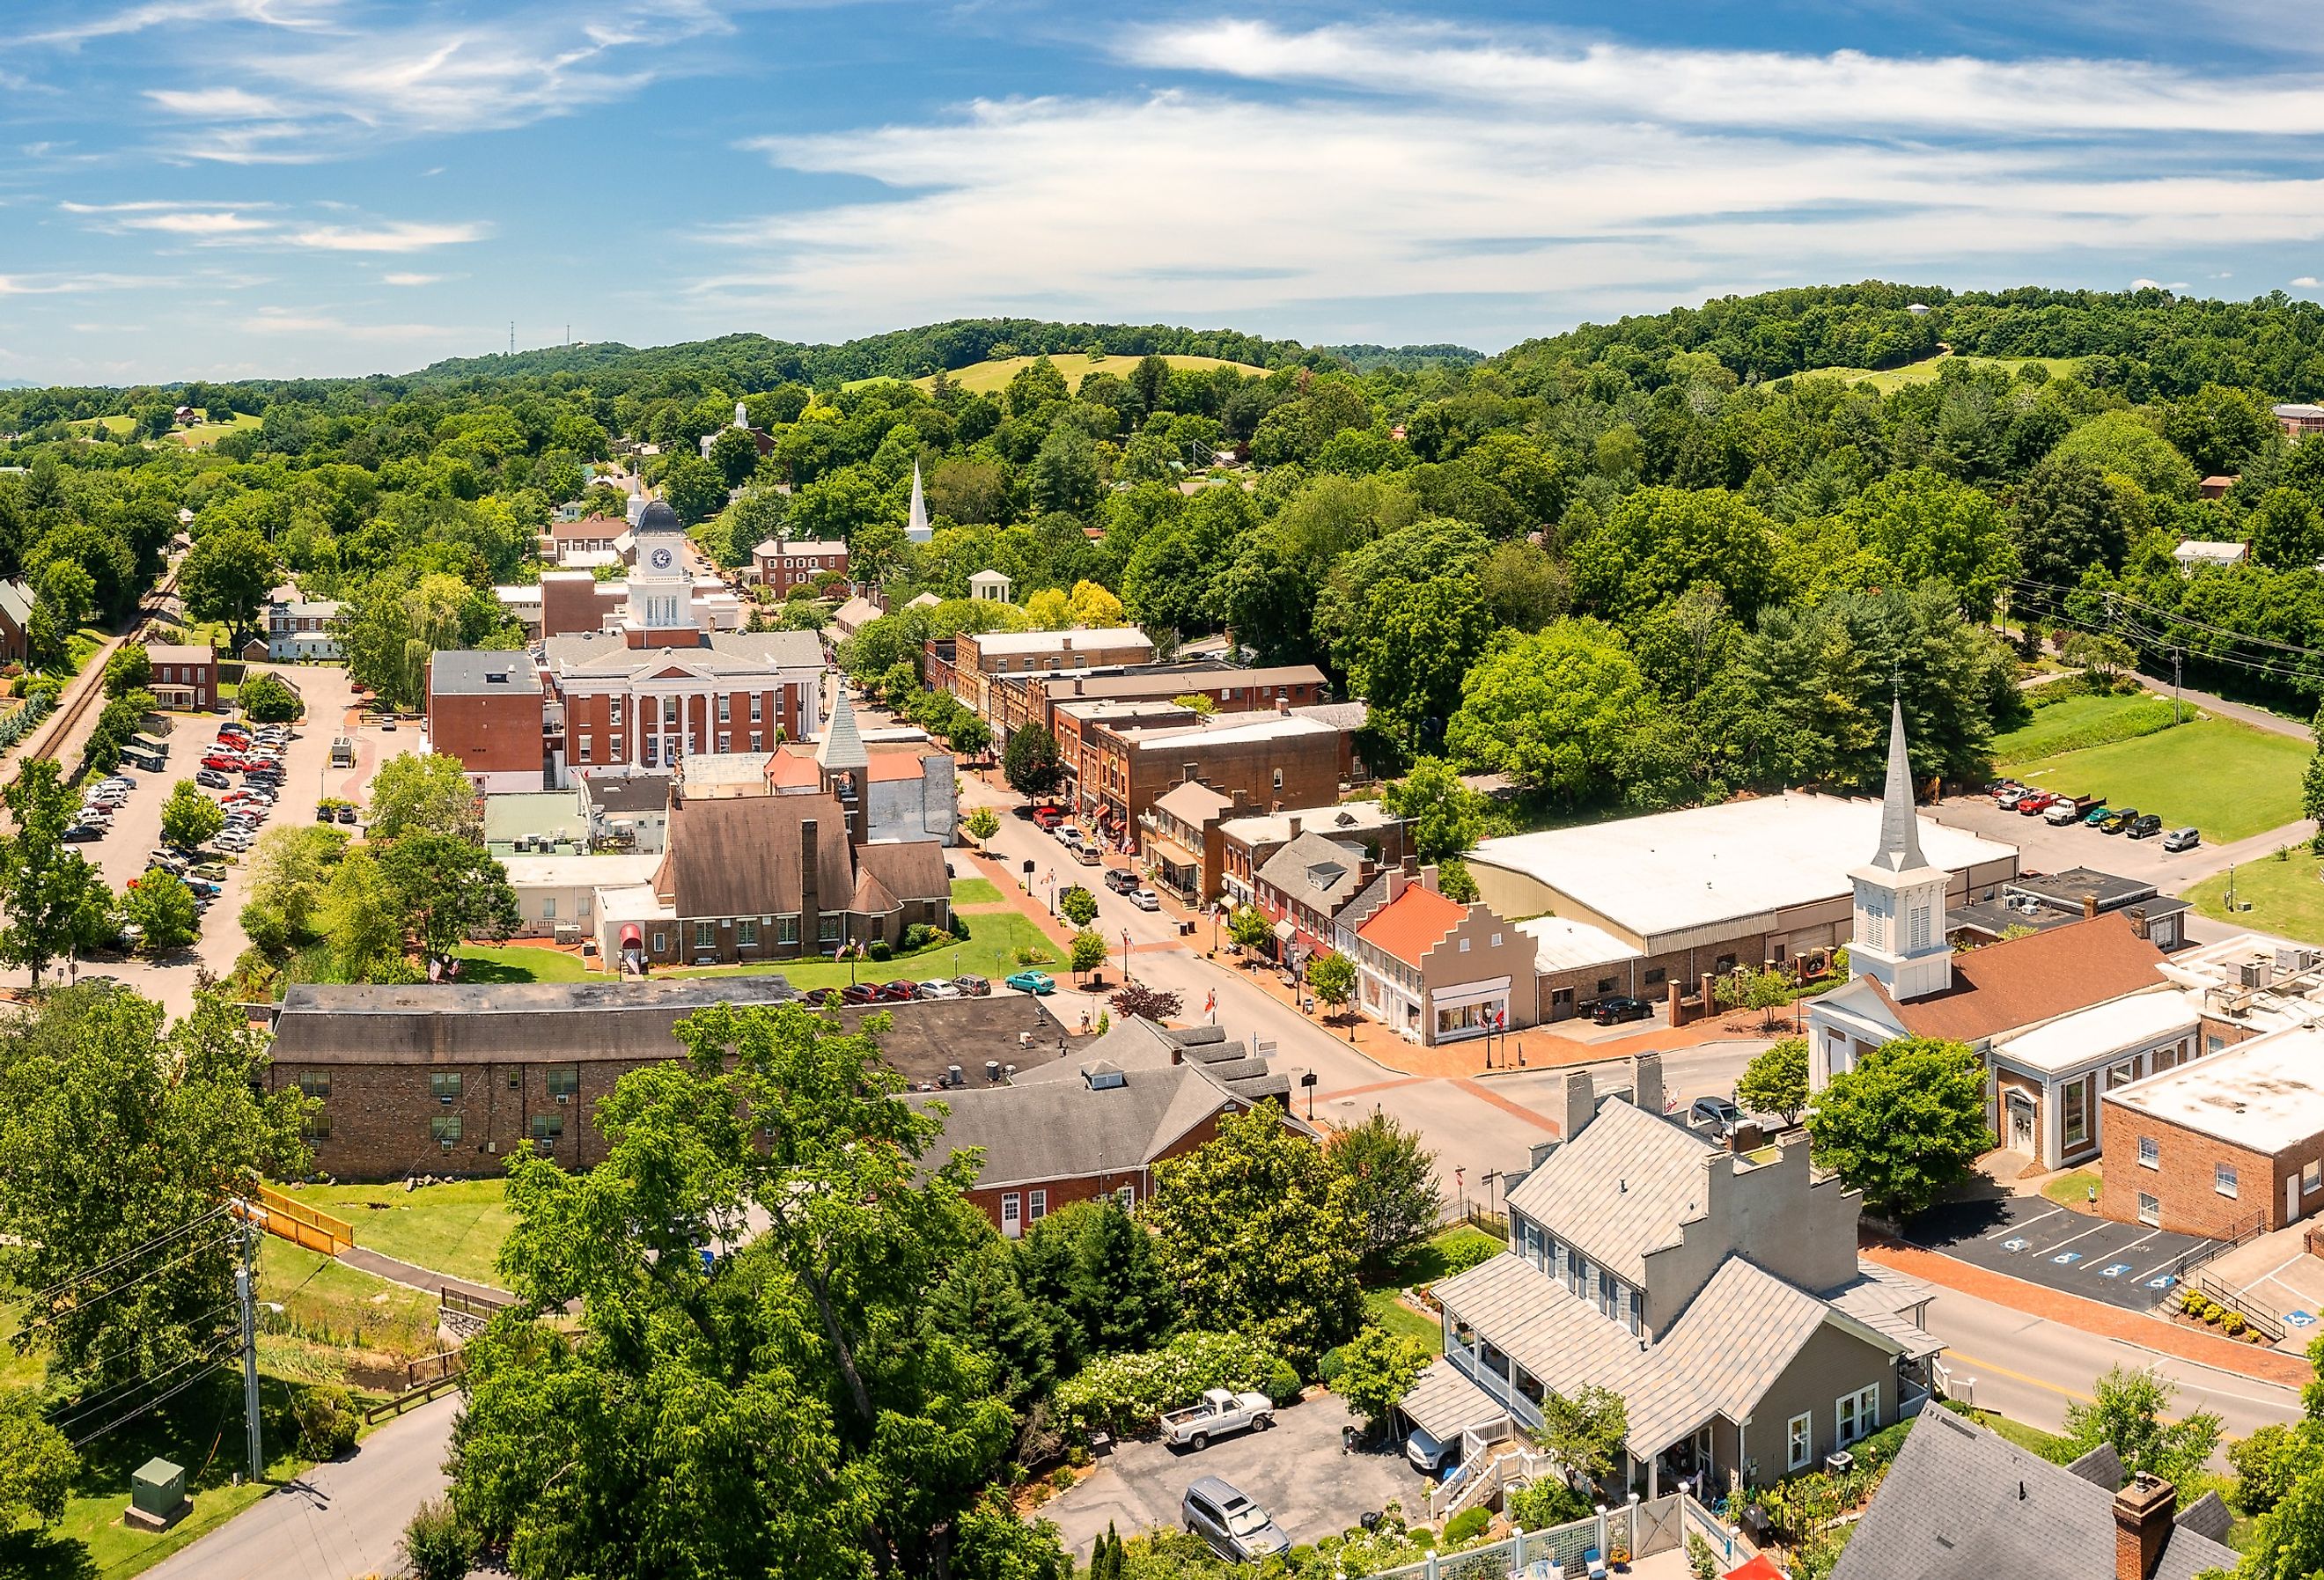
point(661, 589)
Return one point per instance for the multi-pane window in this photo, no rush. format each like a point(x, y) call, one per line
point(444, 1086)
point(2150, 1152)
point(564, 1080)
point(444, 1129)
point(547, 1127)
point(705, 934)
point(746, 932)
point(787, 929)
point(315, 1083)
point(2223, 1179)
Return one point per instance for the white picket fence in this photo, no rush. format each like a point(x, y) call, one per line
point(1627, 1528)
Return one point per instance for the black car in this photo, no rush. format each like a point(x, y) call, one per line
point(81, 834)
point(2146, 828)
point(1614, 1010)
point(1120, 880)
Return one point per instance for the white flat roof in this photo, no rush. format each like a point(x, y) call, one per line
point(1560, 945)
point(574, 872)
point(2204, 549)
point(1349, 817)
point(1040, 641)
point(1268, 726)
point(1676, 869)
point(2265, 1096)
point(632, 902)
point(2088, 1036)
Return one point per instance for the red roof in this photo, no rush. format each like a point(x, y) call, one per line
point(1759, 1566)
point(2038, 977)
point(1408, 926)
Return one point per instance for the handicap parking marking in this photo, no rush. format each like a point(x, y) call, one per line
point(2067, 1258)
point(2113, 1269)
point(2299, 1319)
point(2015, 1245)
point(2102, 1227)
point(2163, 1282)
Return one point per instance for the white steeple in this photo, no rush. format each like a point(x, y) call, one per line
point(742, 415)
point(916, 530)
point(1900, 899)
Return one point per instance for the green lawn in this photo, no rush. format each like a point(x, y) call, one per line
point(990, 377)
point(2226, 779)
point(455, 1228)
point(518, 963)
point(2081, 722)
point(976, 892)
point(2032, 1440)
point(209, 433)
point(336, 1315)
point(1384, 1306)
point(1888, 381)
point(2286, 898)
point(995, 937)
point(2072, 1188)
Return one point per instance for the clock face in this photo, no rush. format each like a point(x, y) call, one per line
point(661, 559)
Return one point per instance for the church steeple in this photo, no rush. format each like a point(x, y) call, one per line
point(916, 529)
point(1900, 825)
point(1900, 938)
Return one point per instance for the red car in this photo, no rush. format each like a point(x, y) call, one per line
point(2039, 801)
point(222, 763)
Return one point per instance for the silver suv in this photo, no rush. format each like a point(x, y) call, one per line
point(1238, 1529)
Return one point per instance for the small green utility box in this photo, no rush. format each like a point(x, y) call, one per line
point(157, 1496)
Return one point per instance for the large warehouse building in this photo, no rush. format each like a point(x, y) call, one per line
point(1708, 888)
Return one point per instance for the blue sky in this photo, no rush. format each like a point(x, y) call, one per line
point(229, 188)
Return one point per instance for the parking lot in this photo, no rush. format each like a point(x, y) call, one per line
point(2034, 1239)
point(2048, 847)
point(1296, 1473)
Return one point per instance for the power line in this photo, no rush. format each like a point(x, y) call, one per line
point(77, 1306)
point(100, 1363)
point(106, 1398)
point(190, 1224)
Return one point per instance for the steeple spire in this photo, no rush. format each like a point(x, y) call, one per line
point(1900, 823)
point(916, 530)
point(842, 751)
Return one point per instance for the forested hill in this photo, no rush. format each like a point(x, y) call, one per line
point(2143, 343)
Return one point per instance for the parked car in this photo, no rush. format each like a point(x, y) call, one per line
point(1715, 1115)
point(82, 833)
point(2146, 828)
point(2121, 820)
point(902, 991)
point(1066, 834)
point(2063, 811)
point(973, 987)
point(2182, 839)
point(1046, 818)
point(1612, 1011)
point(1122, 880)
point(939, 989)
point(2010, 796)
point(2096, 818)
point(2034, 802)
point(1146, 899)
point(860, 993)
point(346, 814)
point(1038, 983)
point(211, 779)
point(1233, 1526)
point(1426, 1455)
point(1089, 855)
point(1219, 1413)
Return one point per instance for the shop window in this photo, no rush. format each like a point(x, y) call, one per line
point(2223, 1179)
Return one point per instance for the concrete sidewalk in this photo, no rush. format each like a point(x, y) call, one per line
point(412, 1276)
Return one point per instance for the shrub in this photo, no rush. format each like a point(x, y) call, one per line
point(879, 950)
point(2233, 1324)
point(1282, 1383)
point(1467, 1526)
point(919, 935)
point(1123, 1393)
point(326, 1420)
point(435, 1547)
point(1701, 1561)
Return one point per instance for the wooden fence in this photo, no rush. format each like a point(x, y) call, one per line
point(301, 1224)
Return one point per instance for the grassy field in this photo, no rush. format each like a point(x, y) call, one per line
point(2227, 780)
point(518, 963)
point(209, 433)
point(455, 1228)
point(976, 892)
point(1890, 380)
point(987, 378)
point(990, 951)
point(2285, 898)
point(2080, 722)
point(2072, 1188)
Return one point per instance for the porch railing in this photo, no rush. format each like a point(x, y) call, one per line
point(1561, 1548)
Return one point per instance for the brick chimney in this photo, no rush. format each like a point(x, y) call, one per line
point(2090, 906)
point(1581, 1102)
point(1647, 1083)
point(810, 911)
point(2142, 1510)
point(1295, 827)
point(2137, 914)
point(1078, 685)
point(1396, 880)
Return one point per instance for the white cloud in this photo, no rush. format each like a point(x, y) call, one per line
point(93, 24)
point(2305, 282)
point(405, 279)
point(395, 236)
point(215, 103)
point(2144, 284)
point(281, 320)
point(1210, 204)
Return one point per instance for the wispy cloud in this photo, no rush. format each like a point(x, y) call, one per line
point(281, 320)
point(401, 237)
point(94, 21)
point(401, 278)
point(215, 103)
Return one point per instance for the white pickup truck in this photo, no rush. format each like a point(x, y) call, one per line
point(1219, 1415)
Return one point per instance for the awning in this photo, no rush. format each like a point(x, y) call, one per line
point(1284, 931)
point(1444, 1403)
point(1470, 993)
point(631, 935)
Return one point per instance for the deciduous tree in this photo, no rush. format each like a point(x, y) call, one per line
point(1392, 1184)
point(226, 575)
point(1030, 763)
point(1377, 1369)
point(1904, 1124)
point(426, 792)
point(54, 901)
point(447, 891)
point(188, 817)
point(1776, 1081)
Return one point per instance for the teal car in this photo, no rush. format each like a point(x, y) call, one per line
point(1038, 983)
point(2097, 815)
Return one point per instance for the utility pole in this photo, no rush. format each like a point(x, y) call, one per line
point(511, 336)
point(246, 1295)
point(2174, 685)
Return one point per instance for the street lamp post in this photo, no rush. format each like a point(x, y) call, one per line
point(1126, 977)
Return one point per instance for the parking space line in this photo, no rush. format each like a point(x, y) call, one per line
point(2060, 1244)
point(2020, 1226)
point(2166, 1263)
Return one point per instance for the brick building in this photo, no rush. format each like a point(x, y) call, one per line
point(1243, 839)
point(486, 708)
point(1280, 758)
point(445, 1078)
point(977, 658)
point(2223, 1144)
point(1075, 725)
point(1302, 890)
point(184, 677)
point(782, 564)
point(1144, 692)
point(1093, 1123)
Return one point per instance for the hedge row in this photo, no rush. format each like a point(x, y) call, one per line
point(2142, 719)
point(1122, 1394)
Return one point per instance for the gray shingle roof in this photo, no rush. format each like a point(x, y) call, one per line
point(1446, 1404)
point(1068, 1130)
point(1621, 1188)
point(1315, 872)
point(1562, 1340)
point(727, 652)
point(1883, 1299)
point(464, 673)
point(1961, 1503)
point(16, 603)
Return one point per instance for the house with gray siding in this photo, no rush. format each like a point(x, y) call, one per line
point(1718, 1291)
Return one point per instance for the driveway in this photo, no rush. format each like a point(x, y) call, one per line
point(2046, 848)
point(1296, 1473)
point(2033, 1238)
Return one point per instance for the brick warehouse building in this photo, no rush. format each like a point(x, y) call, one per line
point(2223, 1144)
point(486, 708)
point(1277, 759)
point(445, 1079)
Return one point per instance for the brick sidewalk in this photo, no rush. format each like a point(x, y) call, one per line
point(2130, 1328)
point(1538, 1047)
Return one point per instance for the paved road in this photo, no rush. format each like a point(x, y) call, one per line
point(341, 1522)
point(2031, 1368)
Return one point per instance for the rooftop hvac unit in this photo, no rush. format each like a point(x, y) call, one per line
point(2257, 973)
point(2287, 960)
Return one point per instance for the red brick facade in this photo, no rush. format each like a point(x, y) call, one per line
point(488, 734)
point(2183, 1189)
point(186, 674)
point(612, 728)
point(1300, 770)
point(383, 1122)
point(1037, 1199)
point(791, 565)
